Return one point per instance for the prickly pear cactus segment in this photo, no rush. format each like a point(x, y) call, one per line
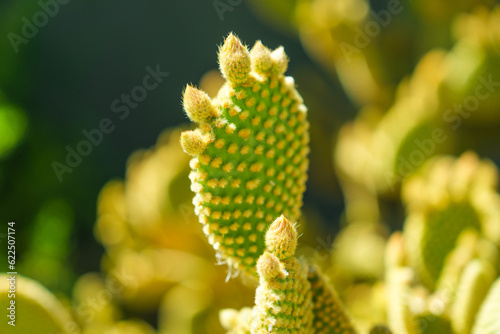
point(475, 281)
point(249, 153)
point(283, 298)
point(380, 329)
point(399, 316)
point(330, 315)
point(487, 319)
point(441, 233)
point(445, 198)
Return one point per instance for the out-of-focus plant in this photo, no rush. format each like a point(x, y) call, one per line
point(13, 124)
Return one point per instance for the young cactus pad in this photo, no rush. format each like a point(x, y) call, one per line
point(250, 151)
point(283, 300)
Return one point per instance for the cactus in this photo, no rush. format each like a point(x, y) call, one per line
point(399, 316)
point(247, 158)
point(329, 313)
point(446, 198)
point(250, 151)
point(384, 146)
point(248, 173)
point(148, 229)
point(283, 297)
point(487, 320)
point(474, 283)
point(293, 296)
point(35, 309)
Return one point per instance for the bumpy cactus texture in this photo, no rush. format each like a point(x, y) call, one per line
point(283, 298)
point(250, 151)
point(329, 313)
point(292, 297)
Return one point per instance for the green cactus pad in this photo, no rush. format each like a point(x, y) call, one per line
point(399, 316)
point(445, 198)
point(474, 283)
point(283, 300)
point(488, 320)
point(250, 152)
point(441, 232)
point(330, 315)
point(36, 309)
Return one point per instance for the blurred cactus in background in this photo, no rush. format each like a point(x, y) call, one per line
point(417, 248)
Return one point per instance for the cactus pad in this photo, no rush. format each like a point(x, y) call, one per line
point(249, 152)
point(487, 320)
point(474, 283)
point(330, 315)
point(445, 198)
point(283, 299)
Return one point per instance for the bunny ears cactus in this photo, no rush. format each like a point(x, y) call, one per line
point(249, 152)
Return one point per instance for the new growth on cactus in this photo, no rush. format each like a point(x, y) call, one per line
point(249, 151)
point(283, 298)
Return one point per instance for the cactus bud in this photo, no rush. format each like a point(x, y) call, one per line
point(194, 142)
point(261, 58)
point(280, 61)
point(268, 267)
point(198, 105)
point(234, 61)
point(281, 238)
